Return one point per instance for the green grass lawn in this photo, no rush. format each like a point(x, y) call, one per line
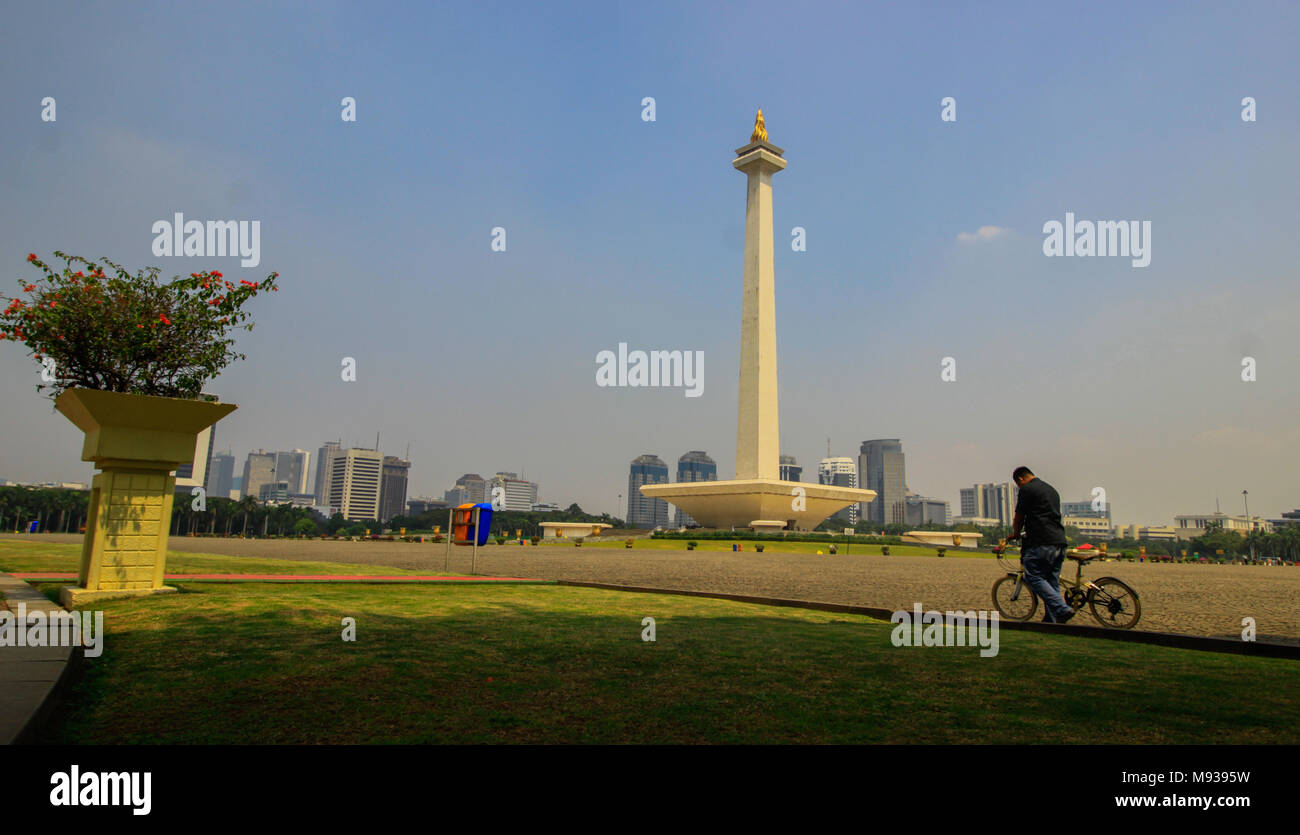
point(42, 556)
point(253, 663)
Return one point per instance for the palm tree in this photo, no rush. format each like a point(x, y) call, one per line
point(248, 504)
point(6, 501)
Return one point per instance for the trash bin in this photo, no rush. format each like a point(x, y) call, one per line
point(463, 532)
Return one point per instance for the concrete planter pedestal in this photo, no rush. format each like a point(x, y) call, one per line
point(136, 441)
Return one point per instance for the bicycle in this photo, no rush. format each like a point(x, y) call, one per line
point(1113, 602)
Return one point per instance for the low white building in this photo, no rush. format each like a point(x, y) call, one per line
point(571, 530)
point(1190, 525)
point(1093, 527)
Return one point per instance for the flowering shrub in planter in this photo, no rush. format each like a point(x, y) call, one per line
point(125, 358)
point(111, 330)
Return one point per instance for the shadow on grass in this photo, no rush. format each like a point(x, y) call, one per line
point(266, 664)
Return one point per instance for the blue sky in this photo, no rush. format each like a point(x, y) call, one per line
point(528, 117)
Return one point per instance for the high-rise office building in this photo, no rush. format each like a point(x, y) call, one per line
point(221, 477)
point(259, 469)
point(291, 467)
point(274, 492)
point(921, 510)
point(194, 473)
point(518, 493)
point(354, 483)
point(471, 488)
point(881, 468)
point(198, 471)
point(695, 465)
point(1084, 510)
point(392, 487)
point(324, 470)
point(990, 501)
point(840, 472)
point(643, 511)
point(790, 469)
point(424, 504)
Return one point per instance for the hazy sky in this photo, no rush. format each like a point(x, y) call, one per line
point(529, 117)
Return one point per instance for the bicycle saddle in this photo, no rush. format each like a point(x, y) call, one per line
point(1083, 556)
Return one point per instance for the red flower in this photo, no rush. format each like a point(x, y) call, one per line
point(215, 274)
point(139, 326)
point(164, 320)
point(29, 288)
point(31, 256)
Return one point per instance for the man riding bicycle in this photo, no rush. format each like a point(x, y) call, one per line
point(1038, 511)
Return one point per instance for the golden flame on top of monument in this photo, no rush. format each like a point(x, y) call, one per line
point(758, 139)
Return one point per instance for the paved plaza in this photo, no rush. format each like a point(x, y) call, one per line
point(1191, 599)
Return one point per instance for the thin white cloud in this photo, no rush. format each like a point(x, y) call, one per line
point(984, 233)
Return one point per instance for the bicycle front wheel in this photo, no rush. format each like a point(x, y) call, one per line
point(1014, 600)
point(1114, 603)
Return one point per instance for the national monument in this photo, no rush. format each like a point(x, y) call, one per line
point(757, 498)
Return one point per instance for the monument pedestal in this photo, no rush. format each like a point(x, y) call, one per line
point(758, 503)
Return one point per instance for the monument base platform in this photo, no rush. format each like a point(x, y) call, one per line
point(758, 503)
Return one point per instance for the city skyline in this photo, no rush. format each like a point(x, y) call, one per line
point(924, 237)
point(1071, 505)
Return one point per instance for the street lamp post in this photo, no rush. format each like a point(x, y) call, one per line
point(1250, 522)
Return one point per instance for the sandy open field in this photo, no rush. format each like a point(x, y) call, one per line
point(1194, 599)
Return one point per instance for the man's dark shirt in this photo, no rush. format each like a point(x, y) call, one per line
point(1039, 505)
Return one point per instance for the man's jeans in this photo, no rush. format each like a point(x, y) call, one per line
point(1043, 574)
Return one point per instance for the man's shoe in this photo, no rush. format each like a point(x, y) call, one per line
point(1066, 619)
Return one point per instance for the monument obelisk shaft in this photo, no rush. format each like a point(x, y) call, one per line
point(758, 446)
point(757, 498)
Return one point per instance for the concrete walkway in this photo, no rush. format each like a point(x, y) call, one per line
point(27, 674)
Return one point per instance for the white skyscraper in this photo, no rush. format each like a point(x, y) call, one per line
point(354, 483)
point(840, 472)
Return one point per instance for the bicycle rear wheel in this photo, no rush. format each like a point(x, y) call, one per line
point(1022, 607)
point(1114, 603)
